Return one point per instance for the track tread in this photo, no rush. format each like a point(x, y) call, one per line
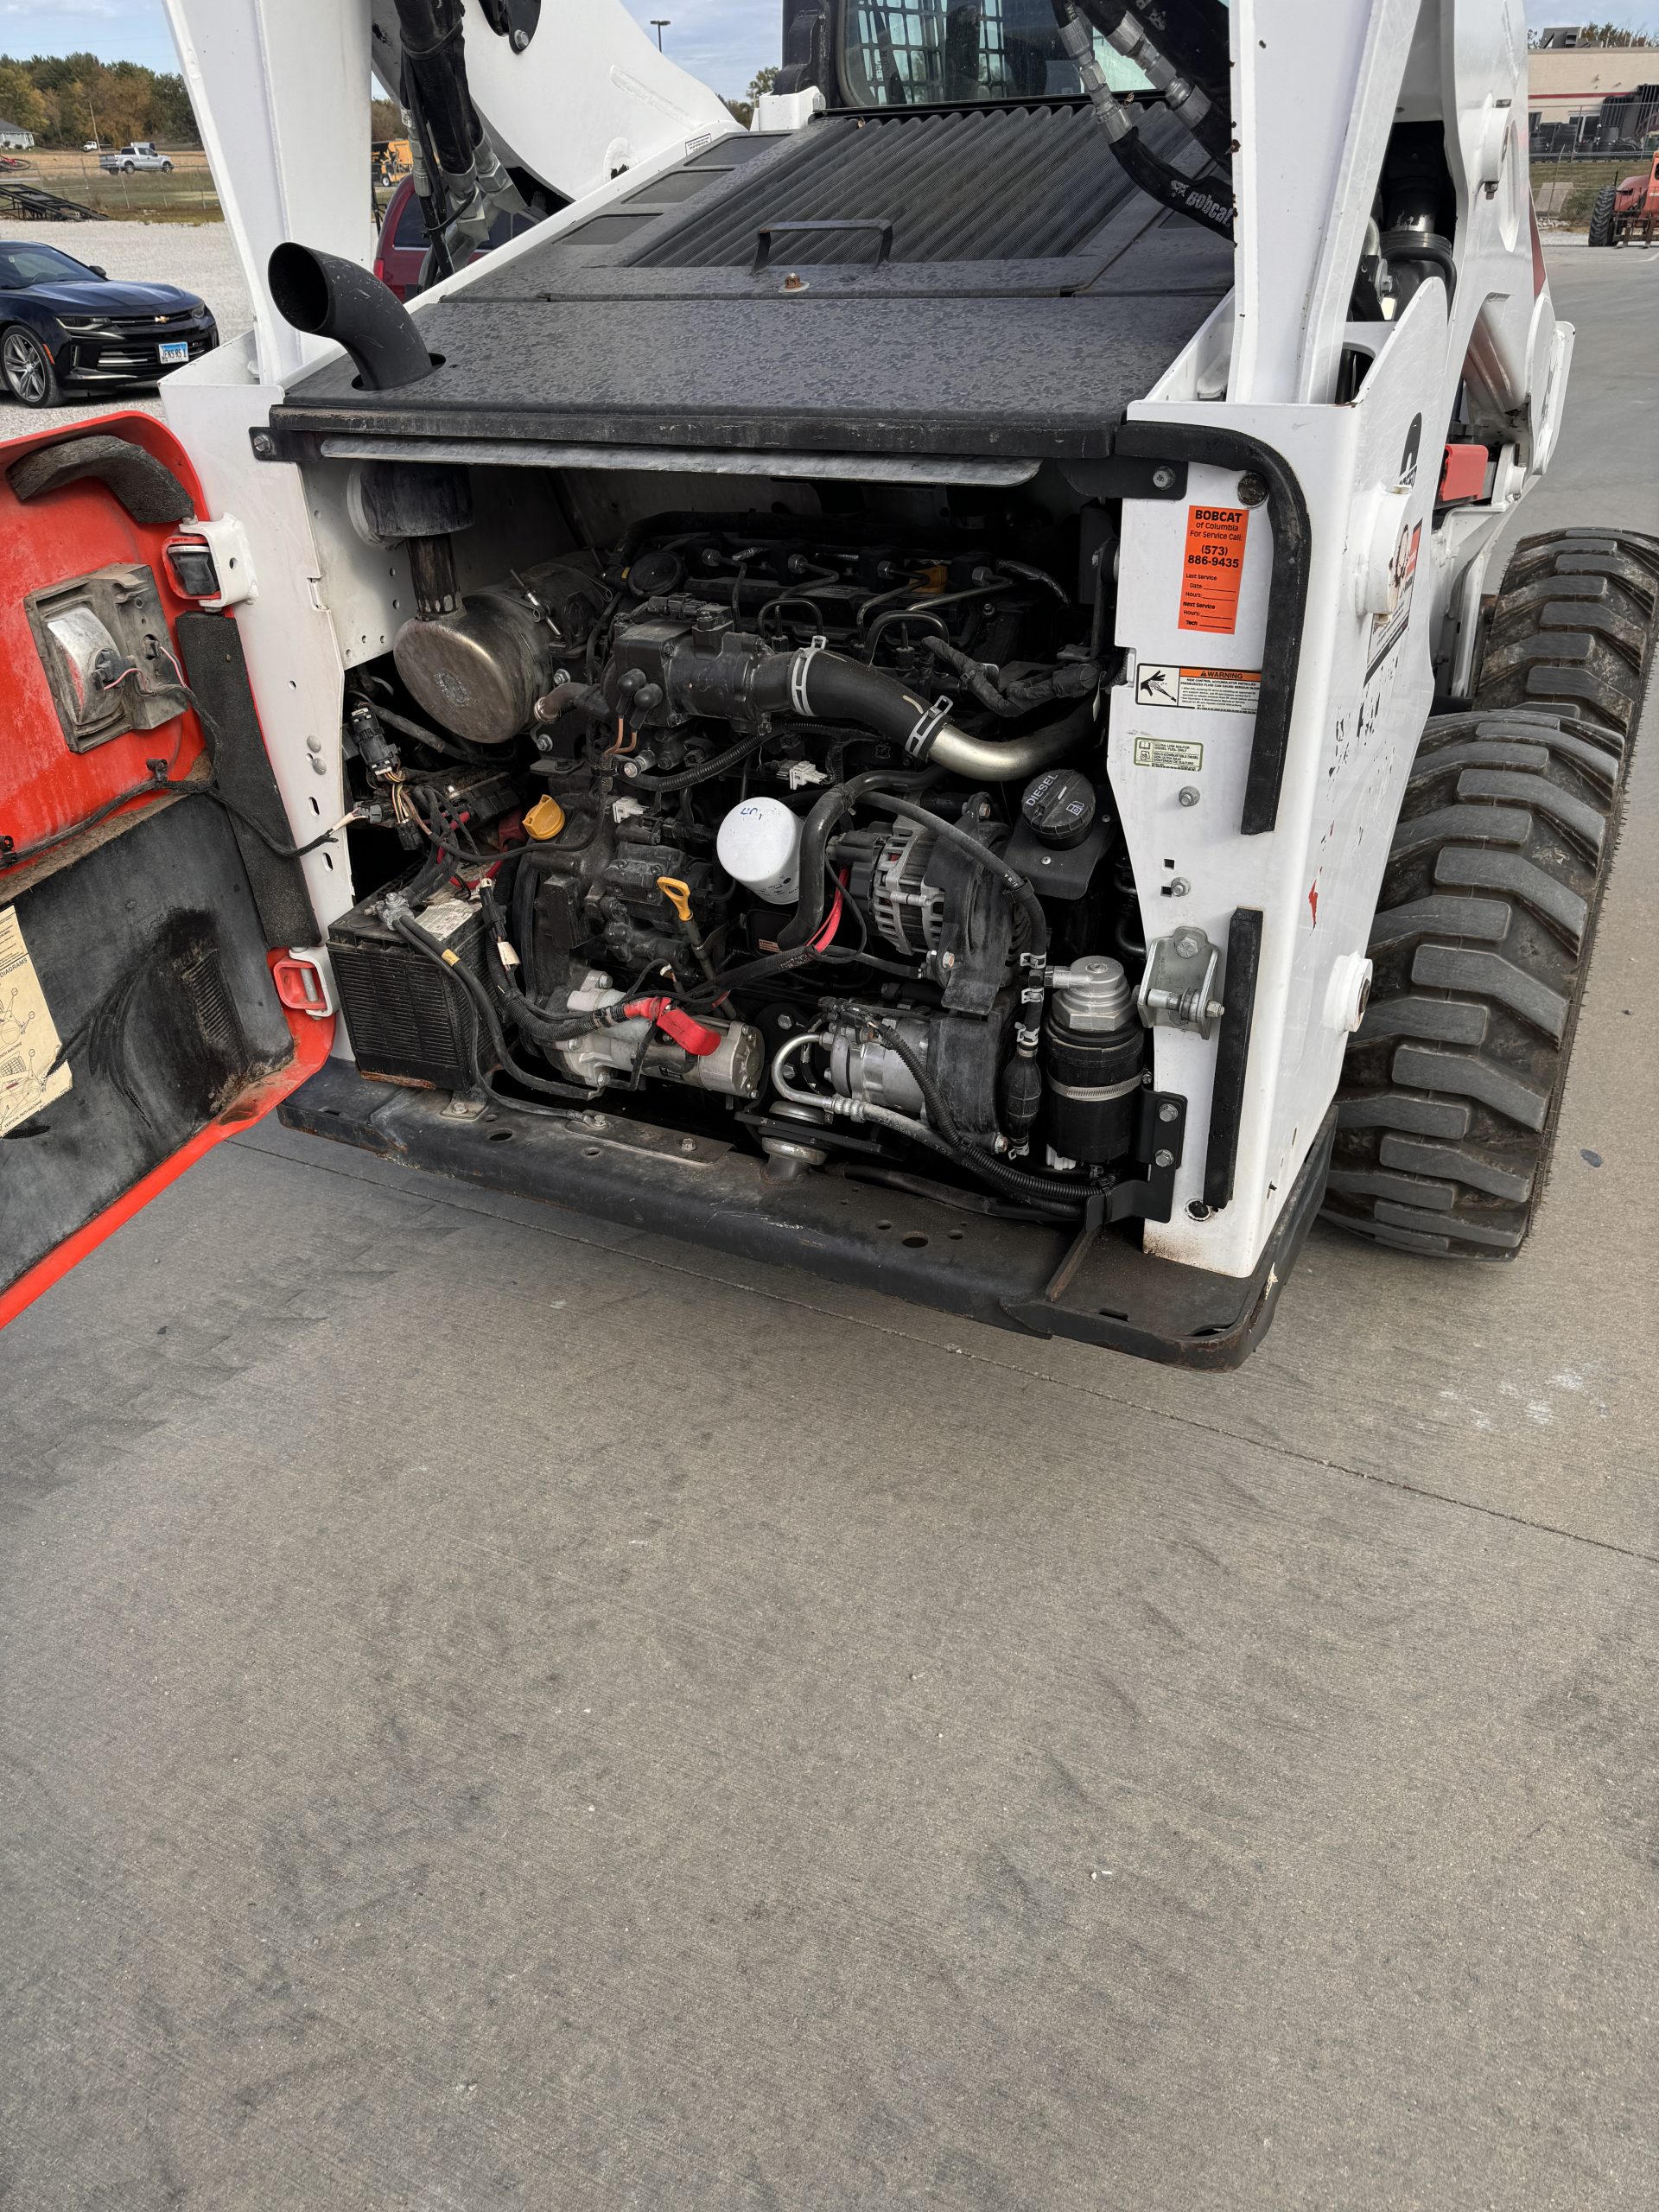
point(1582, 651)
point(1486, 920)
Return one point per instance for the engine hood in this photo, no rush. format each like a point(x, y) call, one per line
point(98, 296)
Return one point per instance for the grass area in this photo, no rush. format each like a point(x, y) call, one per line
point(1583, 180)
point(183, 195)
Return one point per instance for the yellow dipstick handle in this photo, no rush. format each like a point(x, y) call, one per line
point(678, 894)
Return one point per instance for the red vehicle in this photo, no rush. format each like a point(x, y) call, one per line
point(1629, 208)
point(401, 252)
point(400, 257)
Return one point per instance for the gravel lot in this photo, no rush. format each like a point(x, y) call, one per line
point(201, 257)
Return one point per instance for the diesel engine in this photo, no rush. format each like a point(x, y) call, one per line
point(797, 822)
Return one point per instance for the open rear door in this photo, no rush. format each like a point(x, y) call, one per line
point(148, 897)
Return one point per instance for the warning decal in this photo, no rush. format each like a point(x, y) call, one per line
point(1213, 568)
point(1227, 690)
point(1168, 752)
point(30, 1075)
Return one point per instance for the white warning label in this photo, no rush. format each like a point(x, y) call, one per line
point(1224, 690)
point(443, 918)
point(31, 1075)
point(1168, 752)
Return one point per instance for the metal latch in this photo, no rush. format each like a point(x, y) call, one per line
point(1178, 990)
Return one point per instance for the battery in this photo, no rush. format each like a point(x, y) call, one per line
point(410, 1022)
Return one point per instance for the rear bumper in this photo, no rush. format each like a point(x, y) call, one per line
point(882, 1239)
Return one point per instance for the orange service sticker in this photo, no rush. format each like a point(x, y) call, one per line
point(1213, 568)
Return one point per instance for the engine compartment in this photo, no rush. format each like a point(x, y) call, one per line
point(792, 825)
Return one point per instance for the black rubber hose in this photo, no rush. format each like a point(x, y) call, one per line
point(1183, 33)
point(1066, 680)
point(332, 298)
point(829, 808)
point(1207, 199)
point(435, 55)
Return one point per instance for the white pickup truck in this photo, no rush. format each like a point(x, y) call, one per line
point(141, 155)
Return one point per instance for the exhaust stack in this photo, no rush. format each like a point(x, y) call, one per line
point(333, 298)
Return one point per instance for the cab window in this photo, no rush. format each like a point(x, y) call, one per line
point(931, 53)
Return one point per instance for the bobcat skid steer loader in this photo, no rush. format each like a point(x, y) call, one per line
point(910, 691)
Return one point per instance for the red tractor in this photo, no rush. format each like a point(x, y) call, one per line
point(1628, 209)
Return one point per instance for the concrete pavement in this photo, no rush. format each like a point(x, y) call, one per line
point(499, 1712)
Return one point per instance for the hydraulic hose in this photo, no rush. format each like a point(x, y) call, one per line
point(1206, 197)
point(829, 688)
point(1146, 45)
point(434, 63)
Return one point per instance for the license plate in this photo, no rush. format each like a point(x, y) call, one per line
point(174, 349)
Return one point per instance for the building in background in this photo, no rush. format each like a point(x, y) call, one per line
point(1590, 100)
point(13, 137)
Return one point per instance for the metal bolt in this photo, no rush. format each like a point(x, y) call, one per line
point(1179, 888)
point(1169, 1113)
point(1186, 945)
point(1162, 479)
point(262, 443)
point(1163, 1159)
point(1189, 795)
point(1047, 860)
point(688, 1144)
point(1197, 1210)
point(519, 40)
point(785, 1021)
point(1254, 489)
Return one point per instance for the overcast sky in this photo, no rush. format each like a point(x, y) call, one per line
point(724, 42)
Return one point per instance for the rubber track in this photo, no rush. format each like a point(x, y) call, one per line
point(1482, 935)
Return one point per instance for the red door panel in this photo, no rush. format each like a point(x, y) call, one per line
point(139, 1019)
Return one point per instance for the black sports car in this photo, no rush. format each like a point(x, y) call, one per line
point(63, 324)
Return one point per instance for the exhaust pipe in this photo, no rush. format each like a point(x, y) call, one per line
point(332, 298)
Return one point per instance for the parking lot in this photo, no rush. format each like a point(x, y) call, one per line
point(200, 257)
point(499, 1711)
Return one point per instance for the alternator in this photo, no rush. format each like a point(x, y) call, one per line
point(907, 910)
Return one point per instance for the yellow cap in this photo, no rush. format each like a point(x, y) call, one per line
point(545, 819)
point(678, 894)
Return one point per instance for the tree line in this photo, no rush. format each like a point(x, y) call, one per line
point(69, 100)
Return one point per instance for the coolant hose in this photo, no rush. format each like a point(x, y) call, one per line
point(823, 684)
